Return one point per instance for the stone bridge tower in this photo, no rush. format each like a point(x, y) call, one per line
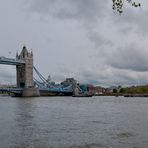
point(25, 72)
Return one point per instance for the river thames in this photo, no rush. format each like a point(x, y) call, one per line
point(67, 122)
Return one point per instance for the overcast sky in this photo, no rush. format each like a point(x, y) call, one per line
point(83, 39)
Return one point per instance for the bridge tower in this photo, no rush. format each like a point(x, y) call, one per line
point(24, 73)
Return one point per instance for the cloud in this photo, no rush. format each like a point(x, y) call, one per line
point(109, 76)
point(7, 74)
point(132, 57)
point(88, 13)
point(70, 9)
point(99, 40)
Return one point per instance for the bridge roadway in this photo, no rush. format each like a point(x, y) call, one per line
point(9, 61)
point(18, 91)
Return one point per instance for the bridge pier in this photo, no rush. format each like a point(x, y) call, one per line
point(30, 92)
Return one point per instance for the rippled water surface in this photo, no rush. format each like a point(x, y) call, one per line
point(67, 122)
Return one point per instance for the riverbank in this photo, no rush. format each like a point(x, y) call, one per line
point(125, 94)
point(4, 95)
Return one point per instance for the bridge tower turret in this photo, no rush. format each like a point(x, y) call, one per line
point(25, 71)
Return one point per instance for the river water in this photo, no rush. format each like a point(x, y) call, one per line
point(67, 122)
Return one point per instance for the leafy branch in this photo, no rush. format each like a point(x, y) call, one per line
point(118, 5)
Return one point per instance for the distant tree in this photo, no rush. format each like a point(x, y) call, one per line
point(118, 5)
point(115, 90)
point(122, 90)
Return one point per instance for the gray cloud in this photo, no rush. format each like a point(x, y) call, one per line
point(7, 75)
point(131, 57)
point(70, 9)
point(109, 76)
point(89, 13)
point(99, 40)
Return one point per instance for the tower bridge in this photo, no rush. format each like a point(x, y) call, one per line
point(28, 86)
point(24, 77)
